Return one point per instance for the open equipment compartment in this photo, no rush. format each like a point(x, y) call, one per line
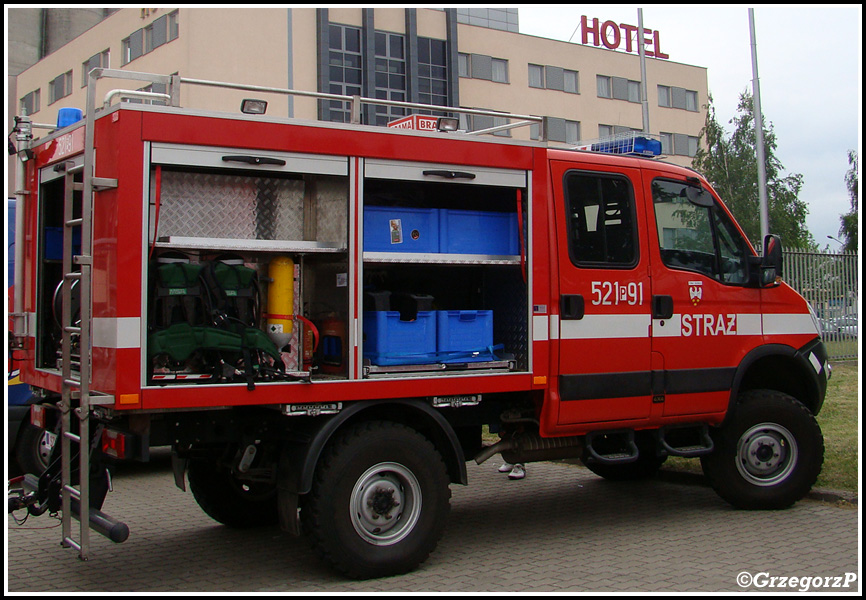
point(247, 266)
point(444, 269)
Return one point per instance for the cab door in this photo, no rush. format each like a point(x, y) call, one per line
point(604, 344)
point(707, 314)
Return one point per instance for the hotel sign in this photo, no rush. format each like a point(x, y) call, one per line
point(613, 36)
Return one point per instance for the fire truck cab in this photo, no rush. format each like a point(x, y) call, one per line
point(322, 318)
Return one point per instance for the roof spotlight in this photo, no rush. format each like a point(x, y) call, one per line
point(446, 124)
point(250, 106)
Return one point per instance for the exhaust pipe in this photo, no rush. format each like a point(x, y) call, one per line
point(531, 447)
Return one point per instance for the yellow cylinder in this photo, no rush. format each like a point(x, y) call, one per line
point(281, 272)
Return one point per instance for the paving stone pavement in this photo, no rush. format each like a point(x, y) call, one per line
point(561, 529)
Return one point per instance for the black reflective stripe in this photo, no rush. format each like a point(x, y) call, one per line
point(604, 385)
point(692, 381)
point(644, 383)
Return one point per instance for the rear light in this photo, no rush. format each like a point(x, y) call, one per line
point(37, 415)
point(114, 444)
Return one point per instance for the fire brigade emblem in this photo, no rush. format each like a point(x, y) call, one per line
point(695, 291)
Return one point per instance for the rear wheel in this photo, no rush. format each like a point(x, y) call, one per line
point(379, 502)
point(33, 449)
point(229, 500)
point(768, 455)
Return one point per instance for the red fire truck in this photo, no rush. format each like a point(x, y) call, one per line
point(322, 318)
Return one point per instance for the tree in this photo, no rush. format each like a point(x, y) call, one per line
point(848, 228)
point(730, 164)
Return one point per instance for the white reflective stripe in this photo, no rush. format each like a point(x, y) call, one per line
point(749, 324)
point(745, 324)
point(606, 327)
point(554, 327)
point(672, 327)
point(540, 331)
point(781, 324)
point(816, 364)
point(123, 332)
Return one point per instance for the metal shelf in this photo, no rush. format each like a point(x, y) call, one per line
point(231, 244)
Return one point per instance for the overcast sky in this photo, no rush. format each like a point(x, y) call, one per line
point(809, 67)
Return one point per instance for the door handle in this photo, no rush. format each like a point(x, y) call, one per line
point(571, 307)
point(663, 307)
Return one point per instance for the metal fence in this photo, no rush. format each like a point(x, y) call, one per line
point(831, 284)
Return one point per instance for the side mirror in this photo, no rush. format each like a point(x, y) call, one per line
point(771, 263)
point(698, 196)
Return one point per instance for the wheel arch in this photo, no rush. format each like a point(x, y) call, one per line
point(784, 369)
point(298, 460)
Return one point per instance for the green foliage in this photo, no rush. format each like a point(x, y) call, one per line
point(729, 162)
point(848, 228)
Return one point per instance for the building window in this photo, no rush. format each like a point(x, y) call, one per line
point(608, 131)
point(675, 97)
point(463, 65)
point(30, 103)
point(344, 68)
point(691, 101)
point(618, 88)
point(536, 76)
point(664, 96)
point(157, 88)
point(679, 144)
point(603, 86)
point(481, 66)
point(132, 47)
point(390, 76)
point(60, 87)
point(558, 130)
point(96, 61)
point(572, 132)
point(433, 72)
point(500, 70)
point(149, 38)
point(571, 82)
point(553, 78)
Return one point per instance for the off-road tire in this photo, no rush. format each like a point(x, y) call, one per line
point(33, 449)
point(230, 501)
point(769, 453)
point(375, 473)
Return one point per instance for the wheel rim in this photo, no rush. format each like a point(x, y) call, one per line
point(766, 454)
point(385, 504)
point(46, 444)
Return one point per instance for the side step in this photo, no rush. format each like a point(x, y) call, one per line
point(685, 440)
point(615, 447)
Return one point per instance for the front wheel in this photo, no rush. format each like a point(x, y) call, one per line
point(768, 455)
point(379, 502)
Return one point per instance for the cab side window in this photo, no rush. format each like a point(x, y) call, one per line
point(600, 219)
point(698, 238)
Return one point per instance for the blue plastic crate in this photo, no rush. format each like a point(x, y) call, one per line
point(478, 232)
point(464, 335)
point(398, 229)
point(54, 242)
point(390, 341)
